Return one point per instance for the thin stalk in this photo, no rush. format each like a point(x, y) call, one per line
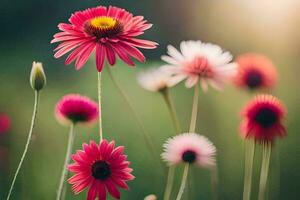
point(64, 173)
point(267, 147)
point(275, 173)
point(249, 155)
point(135, 114)
point(194, 109)
point(33, 119)
point(183, 181)
point(171, 171)
point(214, 181)
point(170, 181)
point(99, 105)
point(166, 95)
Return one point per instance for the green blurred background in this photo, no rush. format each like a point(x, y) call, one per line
point(267, 27)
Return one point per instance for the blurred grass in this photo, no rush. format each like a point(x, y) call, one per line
point(218, 120)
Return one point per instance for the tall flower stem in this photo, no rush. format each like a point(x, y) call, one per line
point(171, 171)
point(64, 173)
point(166, 95)
point(267, 147)
point(33, 119)
point(99, 106)
point(135, 114)
point(183, 181)
point(170, 181)
point(194, 109)
point(214, 181)
point(249, 155)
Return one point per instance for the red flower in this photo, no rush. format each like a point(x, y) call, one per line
point(101, 168)
point(263, 118)
point(255, 72)
point(111, 31)
point(4, 123)
point(74, 108)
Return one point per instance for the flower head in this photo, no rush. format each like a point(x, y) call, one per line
point(4, 123)
point(198, 61)
point(189, 148)
point(74, 108)
point(255, 72)
point(155, 80)
point(37, 76)
point(263, 119)
point(101, 168)
point(109, 31)
point(150, 197)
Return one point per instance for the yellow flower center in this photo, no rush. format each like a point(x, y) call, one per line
point(103, 22)
point(103, 27)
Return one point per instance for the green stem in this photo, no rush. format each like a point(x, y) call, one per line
point(166, 95)
point(67, 160)
point(136, 116)
point(249, 155)
point(183, 181)
point(267, 147)
point(194, 110)
point(35, 108)
point(99, 105)
point(214, 181)
point(173, 114)
point(170, 181)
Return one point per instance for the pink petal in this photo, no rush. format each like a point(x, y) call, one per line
point(110, 54)
point(92, 192)
point(84, 56)
point(132, 51)
point(120, 183)
point(123, 56)
point(101, 191)
point(111, 188)
point(145, 44)
point(76, 53)
point(100, 55)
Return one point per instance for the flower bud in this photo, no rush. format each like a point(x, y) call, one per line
point(37, 76)
point(151, 197)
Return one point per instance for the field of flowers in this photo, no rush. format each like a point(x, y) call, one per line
point(191, 120)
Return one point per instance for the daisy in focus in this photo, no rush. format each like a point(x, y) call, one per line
point(263, 119)
point(4, 123)
point(189, 148)
point(155, 80)
point(100, 168)
point(74, 109)
point(255, 72)
point(110, 31)
point(200, 62)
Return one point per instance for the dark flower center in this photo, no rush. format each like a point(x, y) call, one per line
point(77, 117)
point(189, 156)
point(254, 79)
point(266, 117)
point(101, 170)
point(102, 27)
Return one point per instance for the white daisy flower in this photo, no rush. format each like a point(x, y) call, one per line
point(198, 61)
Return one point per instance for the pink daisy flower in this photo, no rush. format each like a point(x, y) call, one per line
point(74, 108)
point(263, 119)
point(189, 148)
point(4, 123)
point(198, 61)
point(101, 168)
point(109, 31)
point(255, 72)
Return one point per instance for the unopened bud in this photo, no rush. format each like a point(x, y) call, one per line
point(37, 76)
